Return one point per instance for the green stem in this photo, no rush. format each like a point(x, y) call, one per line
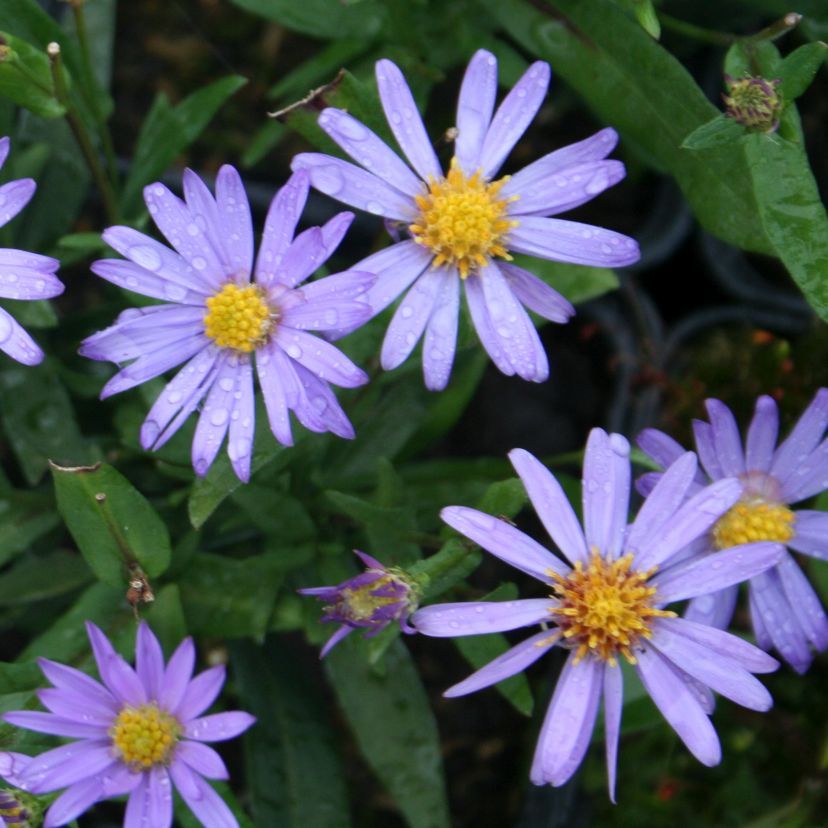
point(81, 135)
point(92, 101)
point(696, 32)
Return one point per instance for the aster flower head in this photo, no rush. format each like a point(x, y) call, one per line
point(370, 600)
point(463, 224)
point(138, 733)
point(786, 613)
point(220, 310)
point(23, 275)
point(607, 599)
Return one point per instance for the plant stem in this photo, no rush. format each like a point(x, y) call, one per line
point(92, 101)
point(696, 32)
point(81, 135)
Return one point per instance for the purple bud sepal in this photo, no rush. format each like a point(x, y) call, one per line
point(370, 600)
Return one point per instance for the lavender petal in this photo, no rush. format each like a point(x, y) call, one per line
point(691, 521)
point(722, 643)
point(726, 438)
point(715, 609)
point(505, 542)
point(67, 764)
point(722, 674)
point(569, 722)
point(483, 326)
point(805, 603)
point(209, 808)
point(242, 422)
point(513, 116)
point(14, 196)
point(269, 367)
point(354, 186)
point(321, 358)
point(706, 447)
point(73, 802)
point(606, 491)
point(236, 234)
point(475, 106)
point(536, 294)
point(806, 434)
point(218, 727)
point(149, 660)
point(811, 533)
point(662, 503)
point(613, 704)
point(762, 434)
point(202, 759)
point(479, 617)
point(214, 419)
point(662, 448)
point(404, 120)
point(177, 675)
point(679, 706)
point(20, 282)
point(440, 342)
point(715, 571)
point(201, 692)
point(367, 149)
point(513, 661)
point(150, 803)
point(16, 342)
point(117, 675)
point(571, 241)
point(551, 504)
point(512, 325)
point(57, 725)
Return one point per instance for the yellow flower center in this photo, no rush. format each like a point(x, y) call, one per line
point(362, 602)
point(605, 608)
point(145, 736)
point(462, 220)
point(238, 318)
point(753, 520)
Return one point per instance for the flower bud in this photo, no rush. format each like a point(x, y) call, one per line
point(754, 102)
point(371, 600)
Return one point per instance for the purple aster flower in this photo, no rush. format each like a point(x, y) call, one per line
point(139, 733)
point(216, 318)
point(370, 600)
point(785, 611)
point(462, 225)
point(607, 601)
point(23, 275)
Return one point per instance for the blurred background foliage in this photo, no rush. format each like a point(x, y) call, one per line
point(733, 235)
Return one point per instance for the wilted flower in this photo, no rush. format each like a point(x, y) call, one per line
point(139, 733)
point(219, 318)
point(785, 611)
point(608, 603)
point(23, 275)
point(370, 600)
point(17, 809)
point(754, 102)
point(464, 224)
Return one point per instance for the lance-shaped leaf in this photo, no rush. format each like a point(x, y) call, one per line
point(113, 524)
point(26, 77)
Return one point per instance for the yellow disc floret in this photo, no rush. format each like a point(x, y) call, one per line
point(605, 607)
point(753, 520)
point(238, 318)
point(144, 736)
point(463, 220)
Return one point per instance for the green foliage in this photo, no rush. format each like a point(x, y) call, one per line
point(392, 722)
point(291, 753)
point(167, 131)
point(26, 77)
point(113, 524)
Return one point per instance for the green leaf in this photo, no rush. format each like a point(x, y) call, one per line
point(40, 577)
point(799, 69)
point(440, 572)
point(321, 18)
point(24, 517)
point(633, 83)
point(716, 133)
point(166, 616)
point(291, 752)
point(389, 528)
point(39, 420)
point(228, 598)
point(506, 497)
point(20, 677)
point(391, 719)
point(479, 650)
point(792, 212)
point(26, 77)
point(221, 481)
point(167, 131)
point(113, 524)
point(66, 639)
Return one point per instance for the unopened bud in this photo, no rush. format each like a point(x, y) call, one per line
point(754, 102)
